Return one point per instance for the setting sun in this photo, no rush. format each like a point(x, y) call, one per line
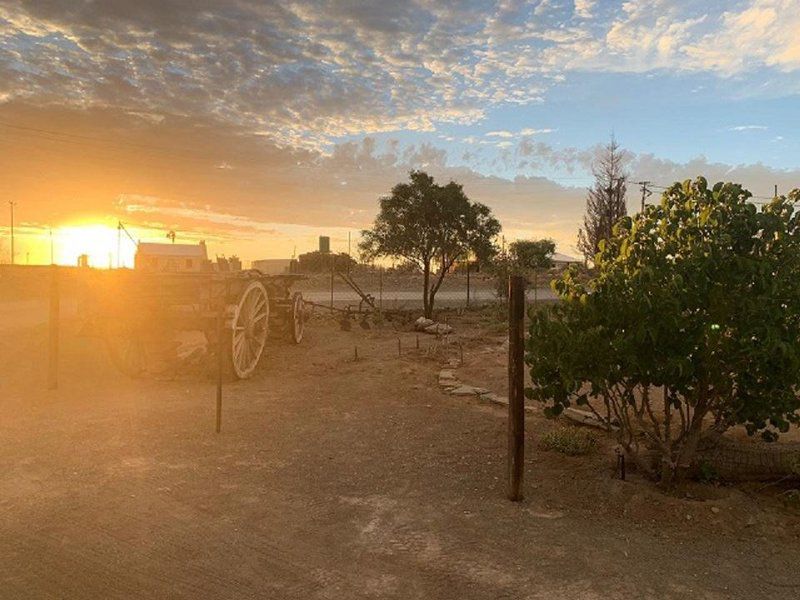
point(97, 241)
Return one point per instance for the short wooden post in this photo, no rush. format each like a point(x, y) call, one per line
point(417, 341)
point(55, 316)
point(399, 348)
point(380, 290)
point(468, 284)
point(220, 357)
point(333, 268)
point(516, 386)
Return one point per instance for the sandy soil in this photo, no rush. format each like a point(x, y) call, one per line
point(340, 479)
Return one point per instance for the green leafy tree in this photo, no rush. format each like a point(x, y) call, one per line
point(691, 325)
point(323, 262)
point(431, 226)
point(524, 257)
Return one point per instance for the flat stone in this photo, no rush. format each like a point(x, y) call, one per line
point(464, 390)
point(495, 399)
point(447, 374)
point(438, 329)
point(421, 323)
point(584, 417)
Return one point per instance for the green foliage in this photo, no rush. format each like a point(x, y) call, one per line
point(572, 441)
point(697, 298)
point(524, 257)
point(431, 226)
point(321, 262)
point(708, 473)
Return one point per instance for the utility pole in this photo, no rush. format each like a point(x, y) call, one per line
point(776, 190)
point(52, 254)
point(12, 204)
point(645, 191)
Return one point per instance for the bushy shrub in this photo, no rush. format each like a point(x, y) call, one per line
point(698, 299)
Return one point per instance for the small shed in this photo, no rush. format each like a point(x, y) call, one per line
point(171, 258)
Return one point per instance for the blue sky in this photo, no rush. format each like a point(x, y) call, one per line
point(312, 109)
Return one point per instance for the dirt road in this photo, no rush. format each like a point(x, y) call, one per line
point(337, 479)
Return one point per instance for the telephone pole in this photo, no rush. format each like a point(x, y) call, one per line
point(12, 204)
point(645, 191)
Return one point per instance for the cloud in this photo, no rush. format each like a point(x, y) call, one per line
point(583, 8)
point(747, 127)
point(307, 73)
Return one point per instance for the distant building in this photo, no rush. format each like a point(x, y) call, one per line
point(171, 258)
point(274, 266)
point(563, 259)
point(324, 244)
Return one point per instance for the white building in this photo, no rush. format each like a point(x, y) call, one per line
point(272, 266)
point(171, 258)
point(563, 259)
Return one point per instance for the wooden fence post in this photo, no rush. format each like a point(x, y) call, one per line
point(380, 291)
point(516, 386)
point(220, 351)
point(467, 283)
point(55, 316)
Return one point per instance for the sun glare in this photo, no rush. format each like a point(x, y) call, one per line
point(97, 241)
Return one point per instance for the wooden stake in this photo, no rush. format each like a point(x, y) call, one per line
point(467, 283)
point(399, 348)
point(355, 353)
point(380, 290)
point(417, 341)
point(332, 273)
point(516, 386)
point(220, 350)
point(55, 316)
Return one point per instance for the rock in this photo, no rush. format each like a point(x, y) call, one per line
point(447, 374)
point(422, 323)
point(438, 329)
point(481, 391)
point(494, 398)
point(464, 390)
point(715, 510)
point(584, 417)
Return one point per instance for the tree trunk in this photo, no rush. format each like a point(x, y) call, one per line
point(427, 305)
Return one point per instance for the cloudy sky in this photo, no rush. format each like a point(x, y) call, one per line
point(260, 125)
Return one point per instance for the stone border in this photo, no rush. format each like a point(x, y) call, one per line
point(453, 386)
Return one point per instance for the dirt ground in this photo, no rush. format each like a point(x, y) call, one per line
point(335, 478)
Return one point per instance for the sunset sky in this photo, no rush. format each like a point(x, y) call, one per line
point(258, 126)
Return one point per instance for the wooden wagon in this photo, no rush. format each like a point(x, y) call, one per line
point(138, 315)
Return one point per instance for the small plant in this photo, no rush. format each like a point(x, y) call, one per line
point(572, 441)
point(708, 473)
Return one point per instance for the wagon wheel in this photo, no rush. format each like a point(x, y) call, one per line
point(126, 349)
point(297, 318)
point(249, 330)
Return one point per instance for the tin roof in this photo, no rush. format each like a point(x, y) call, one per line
point(182, 250)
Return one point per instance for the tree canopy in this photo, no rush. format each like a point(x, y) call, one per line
point(696, 300)
point(432, 226)
point(524, 257)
